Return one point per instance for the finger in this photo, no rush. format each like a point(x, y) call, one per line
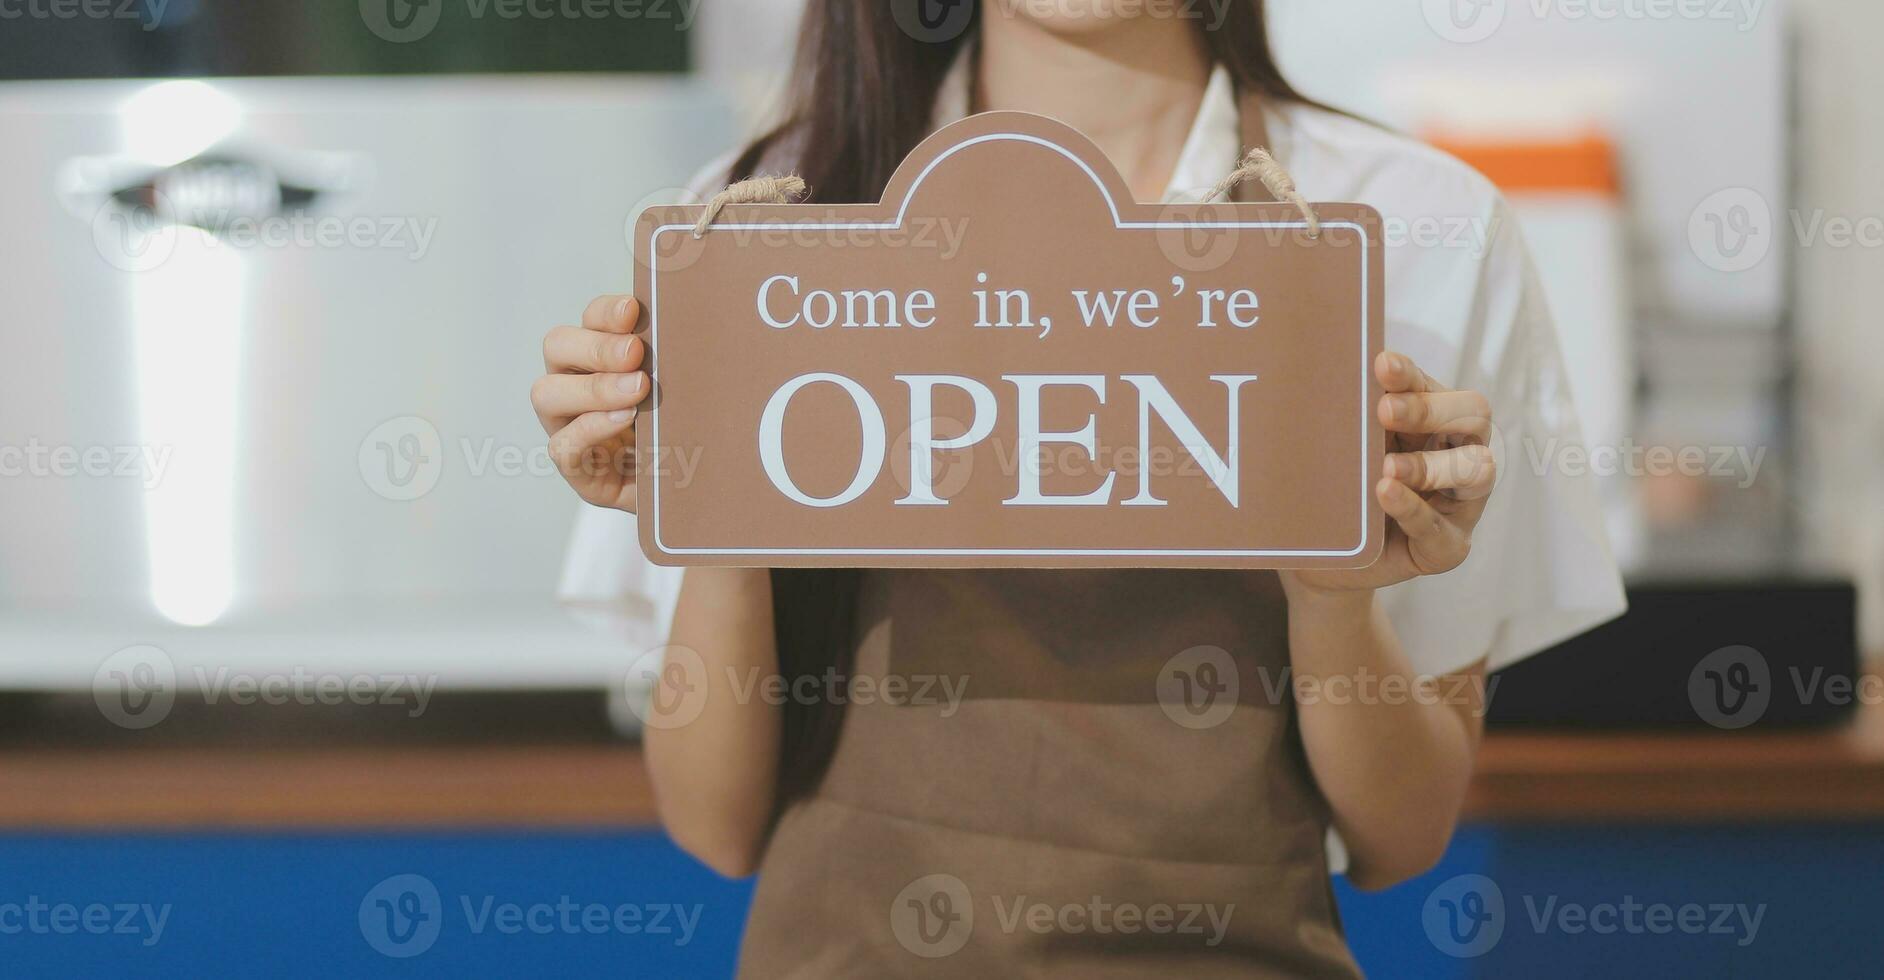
point(1466, 472)
point(1397, 372)
point(576, 447)
point(558, 398)
point(614, 313)
point(1464, 413)
point(1434, 542)
point(571, 350)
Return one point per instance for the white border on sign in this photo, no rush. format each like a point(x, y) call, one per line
point(654, 331)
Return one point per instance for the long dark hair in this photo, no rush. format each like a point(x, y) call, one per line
point(862, 96)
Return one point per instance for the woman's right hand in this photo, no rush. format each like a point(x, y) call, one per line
point(587, 398)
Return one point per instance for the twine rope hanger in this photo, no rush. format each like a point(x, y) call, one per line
point(779, 189)
point(1258, 164)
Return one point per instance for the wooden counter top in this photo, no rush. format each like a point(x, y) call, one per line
point(1825, 774)
point(325, 789)
point(1715, 776)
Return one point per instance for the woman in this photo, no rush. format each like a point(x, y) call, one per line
point(1067, 810)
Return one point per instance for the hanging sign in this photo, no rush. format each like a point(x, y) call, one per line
point(1007, 362)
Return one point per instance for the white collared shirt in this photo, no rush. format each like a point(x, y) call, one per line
point(1211, 148)
point(1462, 301)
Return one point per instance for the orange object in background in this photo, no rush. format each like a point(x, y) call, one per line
point(1585, 164)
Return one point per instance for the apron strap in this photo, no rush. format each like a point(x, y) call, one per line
point(1257, 175)
point(1249, 107)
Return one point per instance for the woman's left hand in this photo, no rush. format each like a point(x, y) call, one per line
point(1435, 483)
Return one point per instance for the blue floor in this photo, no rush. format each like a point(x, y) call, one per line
point(1536, 902)
point(1633, 901)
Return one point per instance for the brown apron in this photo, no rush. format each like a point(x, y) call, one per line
point(1058, 773)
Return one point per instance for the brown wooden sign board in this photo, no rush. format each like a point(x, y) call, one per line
point(1007, 362)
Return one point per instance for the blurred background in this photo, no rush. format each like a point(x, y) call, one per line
point(281, 645)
